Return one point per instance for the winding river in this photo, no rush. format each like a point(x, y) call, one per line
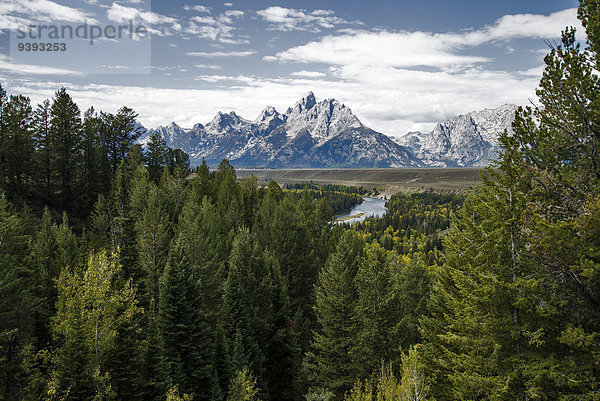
point(370, 207)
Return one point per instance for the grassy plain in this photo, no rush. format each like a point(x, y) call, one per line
point(388, 181)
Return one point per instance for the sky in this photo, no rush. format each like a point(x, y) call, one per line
point(399, 65)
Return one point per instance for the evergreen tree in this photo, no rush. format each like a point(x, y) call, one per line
point(153, 370)
point(46, 267)
point(156, 156)
point(184, 328)
point(240, 312)
point(43, 146)
point(93, 175)
point(123, 226)
point(65, 131)
point(282, 353)
point(153, 242)
point(14, 297)
point(19, 147)
point(513, 304)
point(330, 362)
point(377, 311)
point(206, 249)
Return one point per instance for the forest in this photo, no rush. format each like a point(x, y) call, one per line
point(126, 274)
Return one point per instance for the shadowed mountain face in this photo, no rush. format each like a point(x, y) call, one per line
point(327, 134)
point(310, 134)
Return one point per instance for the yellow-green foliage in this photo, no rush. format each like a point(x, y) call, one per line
point(243, 387)
point(173, 395)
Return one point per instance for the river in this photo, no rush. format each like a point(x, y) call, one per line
point(370, 207)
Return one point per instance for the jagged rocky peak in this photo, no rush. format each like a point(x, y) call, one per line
point(267, 114)
point(223, 120)
point(306, 103)
point(198, 127)
point(466, 140)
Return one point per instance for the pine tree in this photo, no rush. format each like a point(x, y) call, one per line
point(207, 249)
point(156, 156)
point(43, 146)
point(241, 306)
point(376, 312)
point(153, 368)
point(19, 147)
point(123, 226)
point(14, 297)
point(65, 131)
point(330, 362)
point(93, 176)
point(47, 266)
point(514, 297)
point(153, 242)
point(282, 352)
point(184, 328)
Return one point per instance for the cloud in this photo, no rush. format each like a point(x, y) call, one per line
point(218, 28)
point(291, 19)
point(412, 49)
point(228, 4)
point(220, 78)
point(16, 13)
point(398, 49)
point(200, 9)
point(234, 13)
point(30, 69)
point(208, 66)
point(308, 74)
point(222, 54)
point(160, 24)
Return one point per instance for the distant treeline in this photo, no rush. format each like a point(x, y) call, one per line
point(347, 189)
point(340, 202)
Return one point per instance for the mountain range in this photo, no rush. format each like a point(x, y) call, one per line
point(327, 134)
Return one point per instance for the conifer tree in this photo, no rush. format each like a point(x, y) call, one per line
point(65, 131)
point(206, 249)
point(19, 147)
point(153, 243)
point(44, 251)
point(41, 136)
point(282, 352)
point(15, 297)
point(376, 312)
point(184, 328)
point(156, 156)
point(240, 312)
point(153, 368)
point(330, 362)
point(513, 304)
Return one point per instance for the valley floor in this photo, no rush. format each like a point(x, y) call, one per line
point(388, 181)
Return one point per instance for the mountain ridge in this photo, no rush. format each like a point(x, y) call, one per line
point(327, 134)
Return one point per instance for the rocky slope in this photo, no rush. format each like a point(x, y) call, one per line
point(464, 141)
point(310, 134)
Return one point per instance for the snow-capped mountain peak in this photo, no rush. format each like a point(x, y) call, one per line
point(465, 140)
point(327, 134)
